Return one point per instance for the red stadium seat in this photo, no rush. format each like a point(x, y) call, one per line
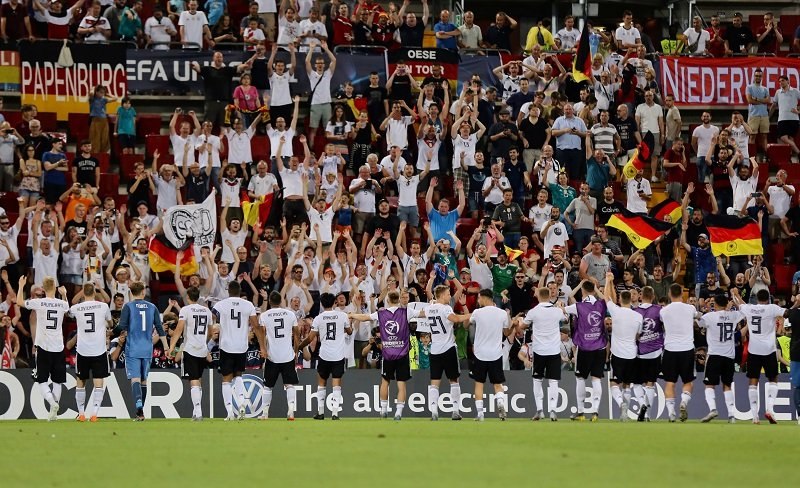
point(49, 121)
point(148, 124)
point(259, 145)
point(779, 153)
point(78, 126)
point(127, 162)
point(104, 160)
point(109, 185)
point(793, 173)
point(153, 142)
point(13, 117)
point(783, 278)
point(777, 251)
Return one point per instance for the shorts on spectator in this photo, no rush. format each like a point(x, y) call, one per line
point(360, 220)
point(72, 279)
point(33, 195)
point(319, 114)
point(409, 214)
point(127, 141)
point(425, 183)
point(788, 128)
point(475, 201)
point(759, 124)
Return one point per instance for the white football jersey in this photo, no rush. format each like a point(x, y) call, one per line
point(442, 337)
point(720, 328)
point(331, 325)
point(545, 321)
point(234, 314)
point(489, 324)
point(91, 317)
point(279, 324)
point(196, 321)
point(49, 319)
point(761, 323)
point(678, 319)
point(627, 325)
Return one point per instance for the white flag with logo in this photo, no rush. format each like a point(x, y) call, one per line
point(196, 223)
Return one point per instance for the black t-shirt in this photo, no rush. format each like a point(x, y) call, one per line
point(501, 146)
point(375, 108)
point(362, 34)
point(390, 223)
point(694, 231)
point(606, 210)
point(738, 38)
point(794, 345)
point(438, 91)
point(534, 133)
point(520, 299)
point(196, 187)
point(499, 36)
point(218, 83)
point(141, 194)
point(40, 143)
point(401, 88)
point(793, 215)
point(706, 293)
point(85, 169)
point(627, 132)
point(258, 74)
point(476, 179)
point(412, 36)
point(81, 227)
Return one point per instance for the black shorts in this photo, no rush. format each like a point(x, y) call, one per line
point(193, 367)
point(547, 366)
point(623, 370)
point(95, 366)
point(396, 369)
point(647, 370)
point(52, 365)
point(676, 365)
point(590, 363)
point(755, 362)
point(719, 368)
point(788, 128)
point(446, 362)
point(232, 362)
point(286, 370)
point(326, 369)
point(127, 140)
point(493, 369)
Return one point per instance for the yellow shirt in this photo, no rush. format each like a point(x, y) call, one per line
point(532, 40)
point(784, 342)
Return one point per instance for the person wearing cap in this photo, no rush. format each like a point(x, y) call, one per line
point(704, 261)
point(384, 221)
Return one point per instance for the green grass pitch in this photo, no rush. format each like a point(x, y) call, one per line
point(386, 453)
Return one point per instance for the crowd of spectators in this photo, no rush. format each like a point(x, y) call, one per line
point(505, 187)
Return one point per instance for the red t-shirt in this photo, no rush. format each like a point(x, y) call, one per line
point(770, 43)
point(675, 174)
point(716, 46)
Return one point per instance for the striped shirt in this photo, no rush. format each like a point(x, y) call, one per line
point(603, 137)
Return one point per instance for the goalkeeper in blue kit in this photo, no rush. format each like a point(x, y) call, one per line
point(139, 317)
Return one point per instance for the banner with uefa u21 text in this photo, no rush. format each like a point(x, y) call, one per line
point(169, 397)
point(721, 81)
point(64, 90)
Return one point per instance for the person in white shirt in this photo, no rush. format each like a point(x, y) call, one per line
point(760, 327)
point(627, 36)
point(158, 30)
point(492, 326)
point(193, 26)
point(182, 137)
point(744, 180)
point(194, 326)
point(567, 37)
point(650, 118)
point(780, 197)
point(554, 233)
point(696, 38)
point(320, 215)
point(407, 183)
point(55, 15)
point(396, 125)
point(94, 27)
point(627, 325)
point(471, 36)
point(49, 341)
point(93, 320)
point(280, 76)
point(319, 79)
point(208, 147)
point(312, 31)
point(288, 27)
point(363, 188)
point(740, 131)
point(281, 331)
point(443, 355)
point(294, 191)
point(786, 98)
point(639, 193)
point(678, 359)
point(545, 322)
point(235, 317)
point(330, 328)
point(262, 183)
point(45, 253)
point(703, 137)
point(493, 188)
point(720, 326)
point(239, 138)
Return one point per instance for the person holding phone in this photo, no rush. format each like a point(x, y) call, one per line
point(55, 168)
point(639, 193)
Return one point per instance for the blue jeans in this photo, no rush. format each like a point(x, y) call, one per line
point(582, 238)
point(512, 239)
point(701, 169)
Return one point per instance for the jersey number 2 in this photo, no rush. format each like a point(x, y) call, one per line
point(435, 322)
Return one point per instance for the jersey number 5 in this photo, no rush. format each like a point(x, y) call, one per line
point(52, 319)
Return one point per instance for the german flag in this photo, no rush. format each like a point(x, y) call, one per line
point(734, 236)
point(258, 211)
point(163, 256)
point(582, 62)
point(668, 208)
point(641, 157)
point(512, 253)
point(640, 229)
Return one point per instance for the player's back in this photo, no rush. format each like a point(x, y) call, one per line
point(442, 337)
point(545, 321)
point(489, 324)
point(139, 318)
point(651, 340)
point(720, 328)
point(331, 325)
point(678, 320)
point(279, 325)
point(761, 324)
point(91, 317)
point(234, 316)
point(626, 324)
point(197, 319)
point(49, 321)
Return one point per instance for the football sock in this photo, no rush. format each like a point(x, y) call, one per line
point(144, 393)
point(238, 387)
point(538, 394)
point(638, 392)
point(197, 398)
point(616, 394)
point(291, 397)
point(552, 395)
point(98, 399)
point(796, 400)
point(337, 399)
point(597, 394)
point(433, 399)
point(455, 396)
point(772, 393)
point(384, 406)
point(650, 395)
point(671, 406)
point(711, 399)
point(500, 400)
point(686, 397)
point(752, 395)
point(626, 395)
point(227, 397)
point(580, 393)
point(136, 388)
point(398, 409)
point(729, 402)
point(80, 399)
point(57, 391)
point(321, 395)
point(266, 398)
point(46, 393)
point(479, 407)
